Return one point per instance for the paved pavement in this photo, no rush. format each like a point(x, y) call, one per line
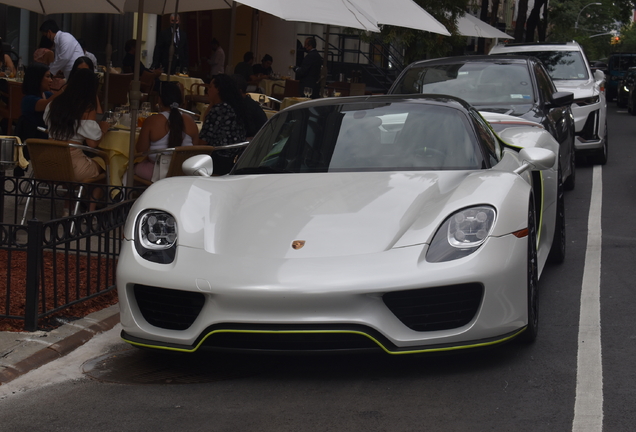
point(21, 352)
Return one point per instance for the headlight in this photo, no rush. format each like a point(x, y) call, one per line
point(156, 236)
point(461, 234)
point(587, 101)
point(626, 89)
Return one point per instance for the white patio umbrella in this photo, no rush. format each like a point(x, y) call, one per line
point(469, 25)
point(48, 7)
point(360, 14)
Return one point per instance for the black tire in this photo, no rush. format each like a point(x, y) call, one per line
point(532, 329)
point(570, 182)
point(630, 105)
point(600, 156)
point(557, 251)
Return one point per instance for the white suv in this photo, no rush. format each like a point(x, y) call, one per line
point(567, 65)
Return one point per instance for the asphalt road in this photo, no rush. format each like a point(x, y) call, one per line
point(106, 385)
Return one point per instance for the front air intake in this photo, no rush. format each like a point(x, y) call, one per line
point(439, 308)
point(167, 308)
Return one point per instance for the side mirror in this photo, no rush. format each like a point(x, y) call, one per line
point(599, 76)
point(560, 99)
point(536, 158)
point(199, 165)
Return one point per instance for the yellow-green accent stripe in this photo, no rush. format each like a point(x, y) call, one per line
point(419, 351)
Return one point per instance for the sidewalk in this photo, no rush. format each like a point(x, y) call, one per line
point(21, 352)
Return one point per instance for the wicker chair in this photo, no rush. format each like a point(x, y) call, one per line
point(179, 155)
point(51, 161)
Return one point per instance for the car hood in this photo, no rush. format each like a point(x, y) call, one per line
point(517, 110)
point(580, 88)
point(334, 214)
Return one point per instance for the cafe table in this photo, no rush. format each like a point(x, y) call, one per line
point(185, 80)
point(116, 142)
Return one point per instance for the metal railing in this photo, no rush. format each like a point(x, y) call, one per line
point(383, 61)
point(66, 259)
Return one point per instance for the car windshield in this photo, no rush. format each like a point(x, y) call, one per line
point(363, 137)
point(478, 83)
point(561, 65)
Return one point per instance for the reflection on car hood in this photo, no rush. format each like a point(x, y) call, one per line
point(513, 110)
point(580, 88)
point(335, 214)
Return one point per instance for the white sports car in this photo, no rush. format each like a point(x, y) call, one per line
point(400, 223)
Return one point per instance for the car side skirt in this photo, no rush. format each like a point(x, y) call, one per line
point(382, 342)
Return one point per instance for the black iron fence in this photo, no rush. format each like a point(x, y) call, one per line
point(50, 260)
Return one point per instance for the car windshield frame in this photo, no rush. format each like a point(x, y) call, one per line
point(365, 136)
point(480, 83)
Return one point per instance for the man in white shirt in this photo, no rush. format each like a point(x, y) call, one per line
point(67, 49)
point(217, 60)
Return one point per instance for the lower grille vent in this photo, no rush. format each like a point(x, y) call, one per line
point(439, 308)
point(167, 308)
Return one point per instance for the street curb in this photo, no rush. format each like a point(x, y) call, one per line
point(96, 323)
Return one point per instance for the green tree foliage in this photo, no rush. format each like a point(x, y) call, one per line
point(593, 21)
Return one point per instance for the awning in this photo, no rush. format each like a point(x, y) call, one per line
point(469, 25)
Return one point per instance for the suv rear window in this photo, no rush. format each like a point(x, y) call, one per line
point(561, 65)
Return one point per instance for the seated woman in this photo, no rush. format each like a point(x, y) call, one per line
point(224, 122)
point(72, 117)
point(170, 128)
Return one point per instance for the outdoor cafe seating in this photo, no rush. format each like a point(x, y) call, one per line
point(51, 161)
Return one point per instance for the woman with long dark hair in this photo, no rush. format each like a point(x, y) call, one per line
point(72, 117)
point(224, 122)
point(169, 128)
point(6, 63)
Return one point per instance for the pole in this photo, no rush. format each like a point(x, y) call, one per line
point(109, 55)
point(576, 24)
point(135, 97)
point(34, 260)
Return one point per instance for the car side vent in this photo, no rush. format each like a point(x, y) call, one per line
point(167, 308)
point(439, 308)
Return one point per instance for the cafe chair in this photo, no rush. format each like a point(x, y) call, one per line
point(14, 96)
point(198, 94)
point(290, 89)
point(178, 156)
point(118, 87)
point(51, 161)
point(147, 87)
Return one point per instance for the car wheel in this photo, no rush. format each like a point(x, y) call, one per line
point(530, 333)
point(630, 105)
point(557, 251)
point(600, 156)
point(570, 182)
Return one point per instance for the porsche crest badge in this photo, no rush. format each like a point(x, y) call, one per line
point(298, 244)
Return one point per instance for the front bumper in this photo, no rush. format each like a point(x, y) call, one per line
point(589, 126)
point(326, 296)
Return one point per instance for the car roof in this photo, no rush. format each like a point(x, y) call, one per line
point(437, 99)
point(537, 46)
point(472, 59)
